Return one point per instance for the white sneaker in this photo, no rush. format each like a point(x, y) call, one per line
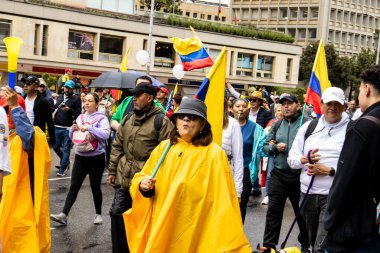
point(98, 219)
point(60, 218)
point(265, 200)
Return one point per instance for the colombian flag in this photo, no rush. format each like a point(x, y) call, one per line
point(192, 53)
point(319, 80)
point(212, 93)
point(116, 94)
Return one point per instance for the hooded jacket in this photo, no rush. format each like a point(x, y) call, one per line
point(329, 140)
point(134, 142)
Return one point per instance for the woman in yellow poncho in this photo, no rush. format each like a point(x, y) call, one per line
point(191, 205)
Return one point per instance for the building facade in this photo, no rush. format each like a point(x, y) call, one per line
point(349, 25)
point(57, 37)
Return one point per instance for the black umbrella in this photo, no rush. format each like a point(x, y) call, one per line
point(115, 80)
point(121, 80)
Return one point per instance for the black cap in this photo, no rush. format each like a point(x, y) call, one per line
point(289, 97)
point(191, 106)
point(32, 79)
point(144, 88)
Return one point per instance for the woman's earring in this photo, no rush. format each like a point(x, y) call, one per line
point(200, 132)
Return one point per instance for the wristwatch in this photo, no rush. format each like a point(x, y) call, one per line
point(332, 172)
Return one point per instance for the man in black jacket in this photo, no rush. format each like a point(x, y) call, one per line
point(68, 109)
point(350, 218)
point(37, 108)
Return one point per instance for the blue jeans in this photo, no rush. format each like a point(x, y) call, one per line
point(270, 166)
point(62, 147)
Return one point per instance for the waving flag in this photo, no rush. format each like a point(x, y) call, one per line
point(192, 53)
point(116, 94)
point(212, 93)
point(319, 80)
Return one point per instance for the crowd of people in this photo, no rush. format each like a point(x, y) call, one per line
point(197, 201)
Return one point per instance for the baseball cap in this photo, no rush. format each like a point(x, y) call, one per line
point(70, 84)
point(289, 97)
point(333, 94)
point(42, 82)
point(164, 90)
point(144, 87)
point(68, 70)
point(32, 79)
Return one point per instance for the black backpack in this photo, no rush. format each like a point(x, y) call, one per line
point(310, 129)
point(158, 120)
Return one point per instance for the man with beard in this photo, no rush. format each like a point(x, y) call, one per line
point(136, 137)
point(68, 109)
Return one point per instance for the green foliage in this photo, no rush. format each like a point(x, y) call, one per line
point(299, 92)
point(51, 81)
point(244, 31)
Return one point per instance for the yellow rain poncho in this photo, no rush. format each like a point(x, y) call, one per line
point(194, 209)
point(25, 228)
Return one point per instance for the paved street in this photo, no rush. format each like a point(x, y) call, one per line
point(81, 235)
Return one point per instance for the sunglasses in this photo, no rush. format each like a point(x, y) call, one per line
point(189, 116)
point(253, 100)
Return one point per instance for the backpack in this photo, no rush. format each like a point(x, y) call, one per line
point(158, 121)
point(310, 128)
point(85, 142)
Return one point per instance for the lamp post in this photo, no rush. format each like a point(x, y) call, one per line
point(150, 35)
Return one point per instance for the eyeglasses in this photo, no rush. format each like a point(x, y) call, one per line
point(189, 116)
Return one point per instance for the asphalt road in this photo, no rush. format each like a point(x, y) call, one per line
point(81, 235)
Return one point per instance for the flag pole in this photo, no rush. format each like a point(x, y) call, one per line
point(161, 160)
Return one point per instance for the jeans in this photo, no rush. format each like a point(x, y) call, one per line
point(270, 166)
point(313, 212)
point(122, 202)
point(247, 186)
point(281, 187)
point(62, 147)
point(83, 166)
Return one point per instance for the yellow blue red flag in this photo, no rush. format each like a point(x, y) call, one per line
point(211, 92)
point(192, 52)
point(319, 80)
point(116, 94)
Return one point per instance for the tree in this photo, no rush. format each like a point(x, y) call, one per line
point(164, 5)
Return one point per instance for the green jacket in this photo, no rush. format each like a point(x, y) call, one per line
point(134, 142)
point(119, 114)
point(285, 134)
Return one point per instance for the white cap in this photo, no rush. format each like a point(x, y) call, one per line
point(333, 94)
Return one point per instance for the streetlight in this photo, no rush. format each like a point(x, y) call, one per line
point(150, 35)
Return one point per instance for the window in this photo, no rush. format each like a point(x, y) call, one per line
point(40, 39)
point(187, 14)
point(312, 33)
point(81, 45)
point(214, 53)
point(293, 13)
point(223, 19)
point(208, 17)
point(216, 18)
point(195, 15)
point(264, 66)
point(264, 14)
point(301, 33)
point(292, 32)
point(44, 40)
point(273, 13)
point(244, 65)
point(303, 12)
point(202, 16)
point(164, 56)
point(283, 13)
point(314, 13)
point(110, 49)
point(289, 65)
point(141, 7)
point(5, 29)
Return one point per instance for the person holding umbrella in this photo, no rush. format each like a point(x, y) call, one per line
point(191, 205)
point(127, 105)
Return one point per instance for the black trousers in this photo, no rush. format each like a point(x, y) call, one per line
point(83, 166)
point(282, 187)
point(247, 186)
point(122, 202)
